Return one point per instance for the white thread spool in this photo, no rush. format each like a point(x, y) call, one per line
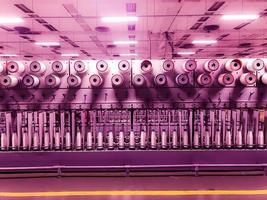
point(80, 67)
point(226, 79)
point(100, 140)
point(233, 65)
point(132, 140)
point(9, 81)
point(30, 81)
point(264, 78)
point(211, 65)
point(160, 80)
point(74, 80)
point(89, 140)
point(124, 66)
point(52, 80)
point(255, 65)
point(248, 79)
point(59, 67)
point(139, 80)
point(102, 67)
point(37, 67)
point(121, 140)
point(168, 65)
point(15, 67)
point(182, 79)
point(117, 80)
point(189, 65)
point(174, 139)
point(146, 67)
point(95, 80)
point(204, 79)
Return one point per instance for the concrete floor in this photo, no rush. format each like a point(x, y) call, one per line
point(195, 184)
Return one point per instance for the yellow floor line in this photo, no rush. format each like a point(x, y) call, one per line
point(134, 193)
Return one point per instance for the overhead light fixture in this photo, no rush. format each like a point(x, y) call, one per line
point(186, 53)
point(204, 41)
point(47, 43)
point(8, 55)
point(128, 54)
point(125, 42)
point(119, 19)
point(70, 54)
point(240, 17)
point(10, 20)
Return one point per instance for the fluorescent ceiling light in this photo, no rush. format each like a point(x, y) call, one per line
point(204, 41)
point(8, 55)
point(70, 54)
point(10, 20)
point(47, 43)
point(119, 19)
point(125, 42)
point(128, 54)
point(239, 17)
point(186, 53)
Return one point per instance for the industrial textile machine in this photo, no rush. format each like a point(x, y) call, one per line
point(133, 114)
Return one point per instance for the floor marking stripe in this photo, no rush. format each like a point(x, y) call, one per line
point(134, 193)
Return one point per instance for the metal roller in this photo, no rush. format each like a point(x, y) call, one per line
point(182, 79)
point(146, 67)
point(124, 66)
point(255, 65)
point(95, 80)
point(15, 67)
point(30, 81)
point(139, 80)
point(211, 65)
point(9, 81)
point(204, 79)
point(160, 80)
point(102, 67)
point(74, 80)
point(226, 79)
point(37, 67)
point(168, 65)
point(52, 81)
point(117, 80)
point(233, 65)
point(189, 65)
point(80, 67)
point(59, 67)
point(248, 79)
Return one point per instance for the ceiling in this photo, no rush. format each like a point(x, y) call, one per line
point(164, 28)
